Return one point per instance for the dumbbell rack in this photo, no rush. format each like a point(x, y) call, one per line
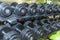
point(27, 20)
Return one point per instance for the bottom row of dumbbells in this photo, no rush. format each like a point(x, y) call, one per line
point(29, 30)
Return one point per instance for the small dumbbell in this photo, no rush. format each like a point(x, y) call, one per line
point(38, 25)
point(57, 24)
point(54, 26)
point(26, 34)
point(36, 29)
point(46, 28)
point(7, 33)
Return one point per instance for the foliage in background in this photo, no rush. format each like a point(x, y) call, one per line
point(55, 35)
point(29, 1)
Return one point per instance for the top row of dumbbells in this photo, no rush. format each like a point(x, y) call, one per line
point(28, 10)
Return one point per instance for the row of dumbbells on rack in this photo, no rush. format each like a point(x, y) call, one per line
point(25, 11)
point(29, 30)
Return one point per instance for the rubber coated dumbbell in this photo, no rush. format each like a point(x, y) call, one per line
point(40, 9)
point(32, 9)
point(26, 34)
point(57, 24)
point(44, 26)
point(13, 5)
point(7, 33)
point(54, 8)
point(47, 8)
point(36, 29)
point(20, 10)
point(5, 10)
point(47, 29)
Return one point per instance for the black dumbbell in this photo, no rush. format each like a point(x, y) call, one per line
point(47, 9)
point(54, 26)
point(32, 9)
point(40, 9)
point(13, 5)
point(36, 29)
point(7, 33)
point(57, 24)
point(46, 28)
point(26, 34)
point(20, 10)
point(54, 8)
point(58, 8)
point(38, 25)
point(5, 10)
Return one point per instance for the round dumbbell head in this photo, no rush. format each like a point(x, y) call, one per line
point(40, 9)
point(5, 10)
point(20, 10)
point(27, 34)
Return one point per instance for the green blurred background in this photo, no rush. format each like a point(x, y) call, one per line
point(30, 1)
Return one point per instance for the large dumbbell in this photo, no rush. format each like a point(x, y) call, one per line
point(58, 8)
point(53, 26)
point(40, 9)
point(20, 10)
point(44, 26)
point(32, 9)
point(54, 8)
point(57, 24)
point(36, 29)
point(26, 34)
point(7, 33)
point(47, 29)
point(47, 9)
point(5, 10)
